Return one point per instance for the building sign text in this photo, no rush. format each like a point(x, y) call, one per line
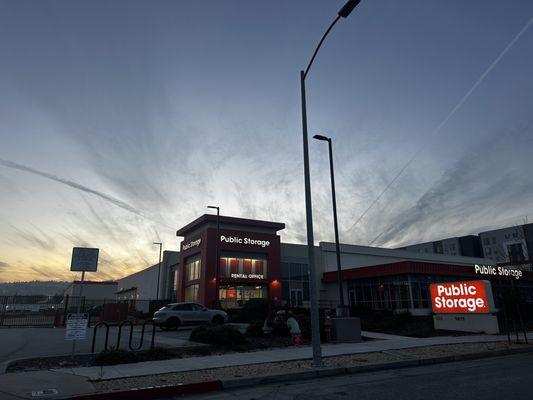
point(245, 240)
point(461, 297)
point(192, 243)
point(498, 271)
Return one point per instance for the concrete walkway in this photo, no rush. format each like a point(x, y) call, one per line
point(265, 356)
point(27, 385)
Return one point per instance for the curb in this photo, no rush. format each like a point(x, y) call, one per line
point(154, 392)
point(209, 386)
point(336, 371)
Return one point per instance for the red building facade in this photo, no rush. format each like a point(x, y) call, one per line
point(249, 261)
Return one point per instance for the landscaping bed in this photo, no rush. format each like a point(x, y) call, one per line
point(114, 357)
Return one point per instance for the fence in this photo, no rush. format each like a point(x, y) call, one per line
point(48, 311)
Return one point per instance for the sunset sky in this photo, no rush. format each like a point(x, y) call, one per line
point(121, 120)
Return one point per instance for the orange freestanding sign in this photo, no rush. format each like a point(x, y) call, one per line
point(462, 297)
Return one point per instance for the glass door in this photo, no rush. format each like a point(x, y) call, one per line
point(296, 297)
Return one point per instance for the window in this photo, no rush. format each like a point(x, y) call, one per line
point(182, 307)
point(493, 240)
point(296, 271)
point(515, 252)
point(191, 292)
point(242, 265)
point(285, 270)
point(192, 269)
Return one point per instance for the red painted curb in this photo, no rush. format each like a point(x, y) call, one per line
point(154, 392)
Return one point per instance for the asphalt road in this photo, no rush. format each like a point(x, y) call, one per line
point(501, 378)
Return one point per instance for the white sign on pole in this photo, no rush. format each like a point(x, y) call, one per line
point(76, 326)
point(84, 259)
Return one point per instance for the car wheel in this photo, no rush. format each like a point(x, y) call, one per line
point(218, 319)
point(173, 324)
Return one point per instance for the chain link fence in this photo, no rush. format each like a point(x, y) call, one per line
point(49, 311)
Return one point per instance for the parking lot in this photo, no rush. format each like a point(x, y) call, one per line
point(38, 342)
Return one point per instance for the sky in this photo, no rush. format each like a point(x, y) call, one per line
point(120, 121)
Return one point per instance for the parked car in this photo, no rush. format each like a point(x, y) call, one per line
point(174, 315)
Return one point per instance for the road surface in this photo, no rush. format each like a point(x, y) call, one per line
point(500, 378)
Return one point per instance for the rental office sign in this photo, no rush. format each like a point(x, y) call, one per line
point(470, 297)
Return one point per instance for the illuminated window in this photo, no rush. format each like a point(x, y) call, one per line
point(242, 265)
point(191, 292)
point(192, 269)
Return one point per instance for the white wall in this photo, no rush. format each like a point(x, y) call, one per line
point(94, 291)
point(145, 281)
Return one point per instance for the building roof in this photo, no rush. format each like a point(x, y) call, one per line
point(410, 267)
point(210, 218)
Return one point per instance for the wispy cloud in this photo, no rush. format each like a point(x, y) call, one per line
point(489, 183)
point(72, 184)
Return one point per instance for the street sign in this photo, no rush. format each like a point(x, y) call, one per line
point(76, 326)
point(84, 259)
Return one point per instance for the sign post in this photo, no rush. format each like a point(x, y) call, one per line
point(83, 259)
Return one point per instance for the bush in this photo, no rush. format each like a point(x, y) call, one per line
point(255, 329)
point(253, 309)
point(114, 356)
point(404, 317)
point(218, 335)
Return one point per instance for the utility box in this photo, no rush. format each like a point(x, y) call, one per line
point(346, 330)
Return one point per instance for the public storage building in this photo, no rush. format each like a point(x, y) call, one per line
point(253, 263)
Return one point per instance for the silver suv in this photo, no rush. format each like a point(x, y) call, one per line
point(173, 315)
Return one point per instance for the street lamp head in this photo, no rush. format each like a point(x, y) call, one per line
point(348, 8)
point(159, 243)
point(320, 137)
point(214, 207)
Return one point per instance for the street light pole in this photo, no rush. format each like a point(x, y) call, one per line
point(341, 311)
point(315, 327)
point(159, 268)
point(217, 263)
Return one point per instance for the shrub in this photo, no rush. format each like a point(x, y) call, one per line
point(255, 329)
point(218, 335)
point(114, 356)
point(404, 317)
point(253, 309)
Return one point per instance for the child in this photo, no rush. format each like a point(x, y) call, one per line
point(294, 329)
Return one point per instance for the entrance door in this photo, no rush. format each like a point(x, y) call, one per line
point(296, 297)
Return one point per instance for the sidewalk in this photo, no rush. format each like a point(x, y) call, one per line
point(266, 356)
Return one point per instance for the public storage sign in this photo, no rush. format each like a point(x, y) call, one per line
point(462, 297)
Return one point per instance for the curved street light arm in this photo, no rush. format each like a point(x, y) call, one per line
point(320, 44)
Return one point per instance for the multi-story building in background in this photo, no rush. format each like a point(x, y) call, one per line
point(508, 245)
point(467, 246)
